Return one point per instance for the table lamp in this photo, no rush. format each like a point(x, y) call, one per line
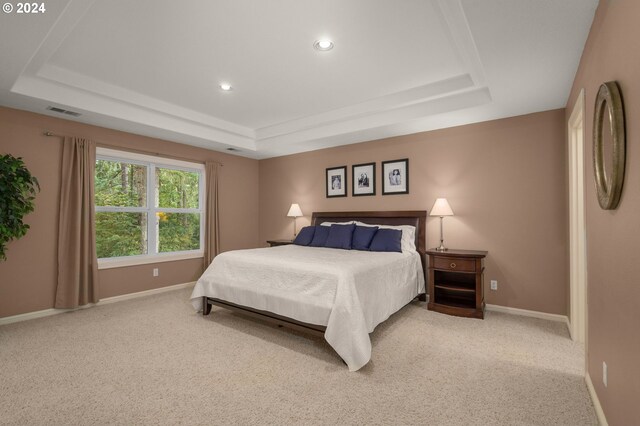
point(441, 208)
point(294, 212)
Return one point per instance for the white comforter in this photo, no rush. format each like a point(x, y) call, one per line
point(348, 291)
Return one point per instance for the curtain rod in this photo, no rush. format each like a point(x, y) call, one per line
point(157, 154)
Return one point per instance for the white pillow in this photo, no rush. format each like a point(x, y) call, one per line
point(337, 223)
point(408, 240)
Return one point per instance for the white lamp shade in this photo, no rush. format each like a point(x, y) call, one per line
point(294, 211)
point(441, 208)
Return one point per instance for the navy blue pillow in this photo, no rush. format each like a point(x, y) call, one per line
point(340, 236)
point(320, 236)
point(386, 240)
point(362, 237)
point(305, 236)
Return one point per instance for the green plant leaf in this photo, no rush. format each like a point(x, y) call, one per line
point(17, 193)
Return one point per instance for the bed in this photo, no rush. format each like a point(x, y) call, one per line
point(341, 295)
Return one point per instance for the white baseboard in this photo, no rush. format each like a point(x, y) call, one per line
point(144, 293)
point(53, 311)
point(527, 313)
point(31, 315)
point(596, 402)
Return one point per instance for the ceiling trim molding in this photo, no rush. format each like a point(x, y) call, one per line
point(69, 78)
point(88, 103)
point(460, 100)
point(137, 108)
point(370, 107)
point(58, 33)
point(451, 13)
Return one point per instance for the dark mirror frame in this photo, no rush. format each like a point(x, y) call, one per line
point(609, 183)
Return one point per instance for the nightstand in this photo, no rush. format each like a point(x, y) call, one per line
point(274, 243)
point(456, 282)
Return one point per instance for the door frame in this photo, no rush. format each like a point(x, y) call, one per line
point(577, 223)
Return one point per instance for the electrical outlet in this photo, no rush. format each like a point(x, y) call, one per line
point(604, 373)
point(494, 284)
point(155, 272)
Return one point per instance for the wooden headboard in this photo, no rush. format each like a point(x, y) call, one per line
point(417, 218)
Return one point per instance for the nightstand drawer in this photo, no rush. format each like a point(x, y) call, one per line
point(454, 264)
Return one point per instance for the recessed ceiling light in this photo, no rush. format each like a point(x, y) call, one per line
point(323, 45)
point(225, 86)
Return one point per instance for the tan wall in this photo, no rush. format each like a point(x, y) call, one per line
point(612, 52)
point(504, 179)
point(28, 277)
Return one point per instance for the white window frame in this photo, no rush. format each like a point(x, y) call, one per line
point(151, 163)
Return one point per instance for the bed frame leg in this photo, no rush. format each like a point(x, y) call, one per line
point(206, 306)
point(422, 297)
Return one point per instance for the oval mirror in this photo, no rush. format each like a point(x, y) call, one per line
point(609, 145)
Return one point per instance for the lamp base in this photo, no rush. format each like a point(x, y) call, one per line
point(295, 231)
point(442, 247)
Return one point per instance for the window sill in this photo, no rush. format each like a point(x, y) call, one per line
point(122, 262)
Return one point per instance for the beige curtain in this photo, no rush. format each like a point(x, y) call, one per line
point(77, 263)
point(212, 224)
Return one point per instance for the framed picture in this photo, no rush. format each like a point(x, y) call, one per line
point(337, 182)
point(363, 179)
point(395, 177)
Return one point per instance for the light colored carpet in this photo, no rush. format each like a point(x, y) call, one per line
point(154, 360)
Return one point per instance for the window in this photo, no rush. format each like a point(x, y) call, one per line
point(148, 209)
